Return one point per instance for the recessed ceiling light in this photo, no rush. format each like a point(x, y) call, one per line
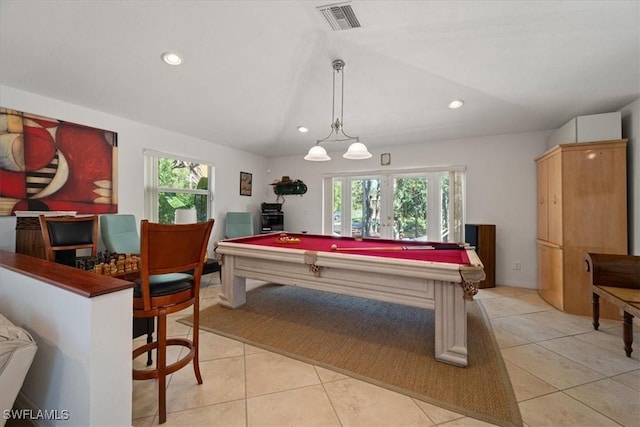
point(171, 58)
point(303, 129)
point(456, 103)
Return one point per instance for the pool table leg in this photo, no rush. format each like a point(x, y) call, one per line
point(450, 323)
point(233, 292)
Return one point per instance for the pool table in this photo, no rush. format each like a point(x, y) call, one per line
point(438, 276)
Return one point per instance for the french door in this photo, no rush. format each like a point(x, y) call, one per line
point(423, 204)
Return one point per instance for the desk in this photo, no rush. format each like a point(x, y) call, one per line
point(616, 279)
point(438, 279)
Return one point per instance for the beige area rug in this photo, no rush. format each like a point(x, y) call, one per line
point(385, 344)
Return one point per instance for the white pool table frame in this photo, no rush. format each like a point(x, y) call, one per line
point(442, 287)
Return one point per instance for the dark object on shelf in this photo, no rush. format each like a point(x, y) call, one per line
point(286, 187)
point(483, 237)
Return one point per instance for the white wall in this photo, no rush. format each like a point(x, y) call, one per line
point(631, 131)
point(133, 138)
point(500, 177)
point(501, 190)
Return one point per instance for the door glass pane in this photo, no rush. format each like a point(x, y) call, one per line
point(365, 207)
point(456, 227)
point(410, 215)
point(444, 208)
point(201, 203)
point(336, 224)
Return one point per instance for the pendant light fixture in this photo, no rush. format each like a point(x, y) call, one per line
point(357, 150)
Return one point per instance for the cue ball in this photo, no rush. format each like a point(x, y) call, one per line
point(334, 247)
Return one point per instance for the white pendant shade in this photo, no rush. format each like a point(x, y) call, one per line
point(317, 154)
point(357, 151)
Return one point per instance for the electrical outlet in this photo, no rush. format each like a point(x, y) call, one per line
point(517, 265)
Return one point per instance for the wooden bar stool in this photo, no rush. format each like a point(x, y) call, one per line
point(166, 252)
point(119, 233)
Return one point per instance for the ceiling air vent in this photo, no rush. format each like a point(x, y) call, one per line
point(340, 16)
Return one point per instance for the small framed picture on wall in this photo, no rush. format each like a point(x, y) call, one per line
point(245, 183)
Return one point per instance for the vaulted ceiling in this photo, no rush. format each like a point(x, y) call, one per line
point(255, 70)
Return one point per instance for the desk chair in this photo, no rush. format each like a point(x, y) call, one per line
point(238, 224)
point(119, 233)
point(167, 250)
point(64, 235)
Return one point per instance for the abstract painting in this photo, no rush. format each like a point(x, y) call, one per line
point(54, 165)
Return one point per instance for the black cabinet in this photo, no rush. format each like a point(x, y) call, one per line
point(271, 222)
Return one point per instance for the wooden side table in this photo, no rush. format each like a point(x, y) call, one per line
point(28, 233)
point(29, 237)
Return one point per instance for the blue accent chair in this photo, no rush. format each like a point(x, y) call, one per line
point(239, 224)
point(120, 233)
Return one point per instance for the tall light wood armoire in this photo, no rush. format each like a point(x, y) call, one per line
point(582, 207)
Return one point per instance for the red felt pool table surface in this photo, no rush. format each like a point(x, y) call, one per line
point(431, 251)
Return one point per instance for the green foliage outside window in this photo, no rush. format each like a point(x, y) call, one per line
point(175, 175)
point(410, 208)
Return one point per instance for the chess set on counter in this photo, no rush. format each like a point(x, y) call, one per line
point(110, 264)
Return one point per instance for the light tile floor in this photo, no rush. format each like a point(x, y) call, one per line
point(563, 373)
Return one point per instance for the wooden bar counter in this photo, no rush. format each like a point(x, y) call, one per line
point(84, 283)
point(81, 323)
